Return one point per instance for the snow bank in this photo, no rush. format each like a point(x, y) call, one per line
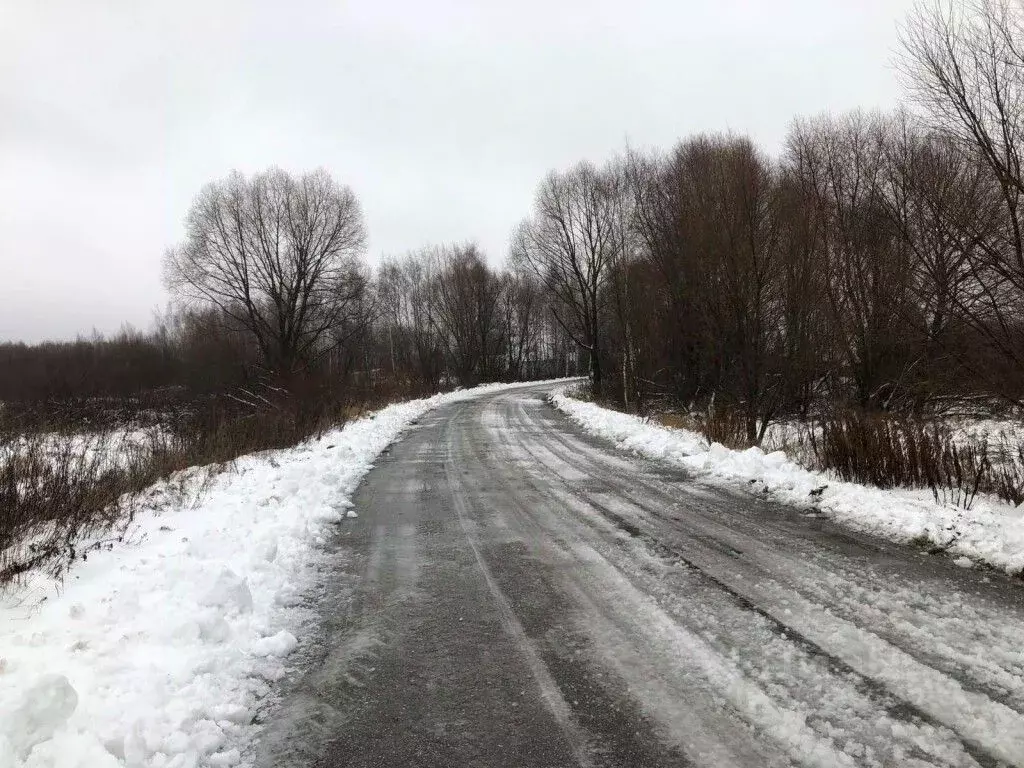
point(158, 652)
point(991, 532)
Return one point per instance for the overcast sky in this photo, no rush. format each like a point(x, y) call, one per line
point(441, 115)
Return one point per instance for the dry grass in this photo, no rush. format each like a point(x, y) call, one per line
point(725, 425)
point(58, 489)
point(884, 451)
point(717, 423)
point(887, 452)
point(1007, 477)
point(677, 421)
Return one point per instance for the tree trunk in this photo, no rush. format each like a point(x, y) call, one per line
point(595, 372)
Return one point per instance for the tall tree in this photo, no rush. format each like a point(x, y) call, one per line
point(569, 243)
point(841, 162)
point(467, 313)
point(279, 254)
point(964, 63)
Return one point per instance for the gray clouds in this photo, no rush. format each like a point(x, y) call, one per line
point(442, 116)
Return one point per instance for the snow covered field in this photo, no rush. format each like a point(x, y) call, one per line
point(991, 532)
point(1001, 436)
point(100, 451)
point(160, 651)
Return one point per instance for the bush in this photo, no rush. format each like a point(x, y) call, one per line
point(888, 452)
point(717, 423)
point(55, 489)
point(1007, 476)
point(881, 450)
point(582, 391)
point(678, 420)
point(723, 424)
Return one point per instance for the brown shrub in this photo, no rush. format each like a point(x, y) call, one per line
point(725, 425)
point(887, 452)
point(57, 489)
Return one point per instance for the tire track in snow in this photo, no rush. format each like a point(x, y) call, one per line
point(742, 538)
point(550, 691)
point(991, 731)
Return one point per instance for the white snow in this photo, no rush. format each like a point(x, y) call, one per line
point(280, 645)
point(91, 451)
point(159, 651)
point(991, 532)
point(45, 707)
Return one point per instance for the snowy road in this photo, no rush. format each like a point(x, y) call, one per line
point(514, 593)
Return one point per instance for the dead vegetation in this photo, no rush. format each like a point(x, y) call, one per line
point(890, 452)
point(883, 450)
point(721, 424)
point(59, 490)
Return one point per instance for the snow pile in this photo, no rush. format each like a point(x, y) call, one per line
point(158, 653)
point(991, 532)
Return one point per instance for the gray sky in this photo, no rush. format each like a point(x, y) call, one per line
point(442, 115)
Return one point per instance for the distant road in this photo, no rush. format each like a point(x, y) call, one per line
point(515, 593)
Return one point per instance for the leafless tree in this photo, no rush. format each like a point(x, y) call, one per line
point(522, 319)
point(709, 217)
point(622, 174)
point(868, 265)
point(279, 254)
point(569, 243)
point(671, 274)
point(408, 309)
point(467, 315)
point(963, 62)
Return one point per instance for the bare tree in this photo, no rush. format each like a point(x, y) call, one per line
point(709, 217)
point(467, 317)
point(964, 63)
point(569, 243)
point(521, 307)
point(841, 161)
point(392, 297)
point(281, 255)
point(621, 175)
point(805, 349)
point(945, 207)
point(408, 310)
point(664, 219)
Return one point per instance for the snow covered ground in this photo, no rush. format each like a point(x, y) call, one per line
point(1001, 436)
point(158, 652)
point(992, 532)
point(97, 451)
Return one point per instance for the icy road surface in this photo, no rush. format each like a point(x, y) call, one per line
point(514, 593)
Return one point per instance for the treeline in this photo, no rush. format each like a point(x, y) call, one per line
point(444, 316)
point(427, 321)
point(878, 263)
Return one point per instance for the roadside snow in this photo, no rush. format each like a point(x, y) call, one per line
point(158, 652)
point(991, 532)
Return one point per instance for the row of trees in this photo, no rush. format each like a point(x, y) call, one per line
point(878, 262)
point(281, 259)
point(430, 320)
point(445, 315)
